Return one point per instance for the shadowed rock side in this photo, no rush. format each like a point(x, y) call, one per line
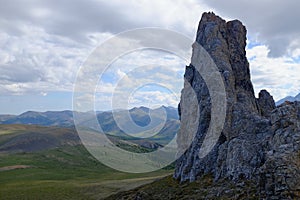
point(258, 140)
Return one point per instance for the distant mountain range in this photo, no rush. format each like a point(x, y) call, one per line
point(49, 118)
point(140, 116)
point(289, 98)
point(65, 118)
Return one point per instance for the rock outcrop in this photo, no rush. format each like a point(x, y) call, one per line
point(280, 174)
point(266, 103)
point(258, 141)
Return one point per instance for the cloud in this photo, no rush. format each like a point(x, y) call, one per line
point(274, 23)
point(280, 76)
point(44, 94)
point(38, 61)
point(43, 43)
point(139, 77)
point(76, 18)
point(69, 18)
point(153, 99)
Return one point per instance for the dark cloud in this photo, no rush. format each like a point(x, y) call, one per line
point(71, 18)
point(275, 21)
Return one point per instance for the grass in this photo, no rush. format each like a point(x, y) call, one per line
point(18, 128)
point(69, 172)
point(66, 172)
point(204, 188)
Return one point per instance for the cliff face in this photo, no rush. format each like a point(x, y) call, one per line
point(257, 138)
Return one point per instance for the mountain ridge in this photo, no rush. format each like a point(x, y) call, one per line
point(288, 98)
point(65, 118)
point(140, 116)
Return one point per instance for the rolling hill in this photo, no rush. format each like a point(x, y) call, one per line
point(32, 138)
point(42, 157)
point(38, 162)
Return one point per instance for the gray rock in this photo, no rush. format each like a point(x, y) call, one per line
point(225, 42)
point(266, 103)
point(279, 176)
point(256, 139)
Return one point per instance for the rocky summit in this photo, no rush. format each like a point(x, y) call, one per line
point(259, 141)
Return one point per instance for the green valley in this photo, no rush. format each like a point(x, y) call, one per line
point(60, 171)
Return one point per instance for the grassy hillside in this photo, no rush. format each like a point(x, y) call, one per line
point(205, 188)
point(66, 171)
point(32, 138)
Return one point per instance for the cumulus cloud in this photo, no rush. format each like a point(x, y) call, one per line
point(46, 41)
point(70, 18)
point(280, 76)
point(145, 76)
point(274, 23)
point(43, 43)
point(38, 61)
point(76, 18)
point(153, 99)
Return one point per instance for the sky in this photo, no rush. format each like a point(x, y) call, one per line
point(45, 43)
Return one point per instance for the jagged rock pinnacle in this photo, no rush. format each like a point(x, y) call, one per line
point(247, 135)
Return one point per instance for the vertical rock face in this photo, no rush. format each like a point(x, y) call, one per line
point(280, 174)
point(225, 42)
point(249, 131)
